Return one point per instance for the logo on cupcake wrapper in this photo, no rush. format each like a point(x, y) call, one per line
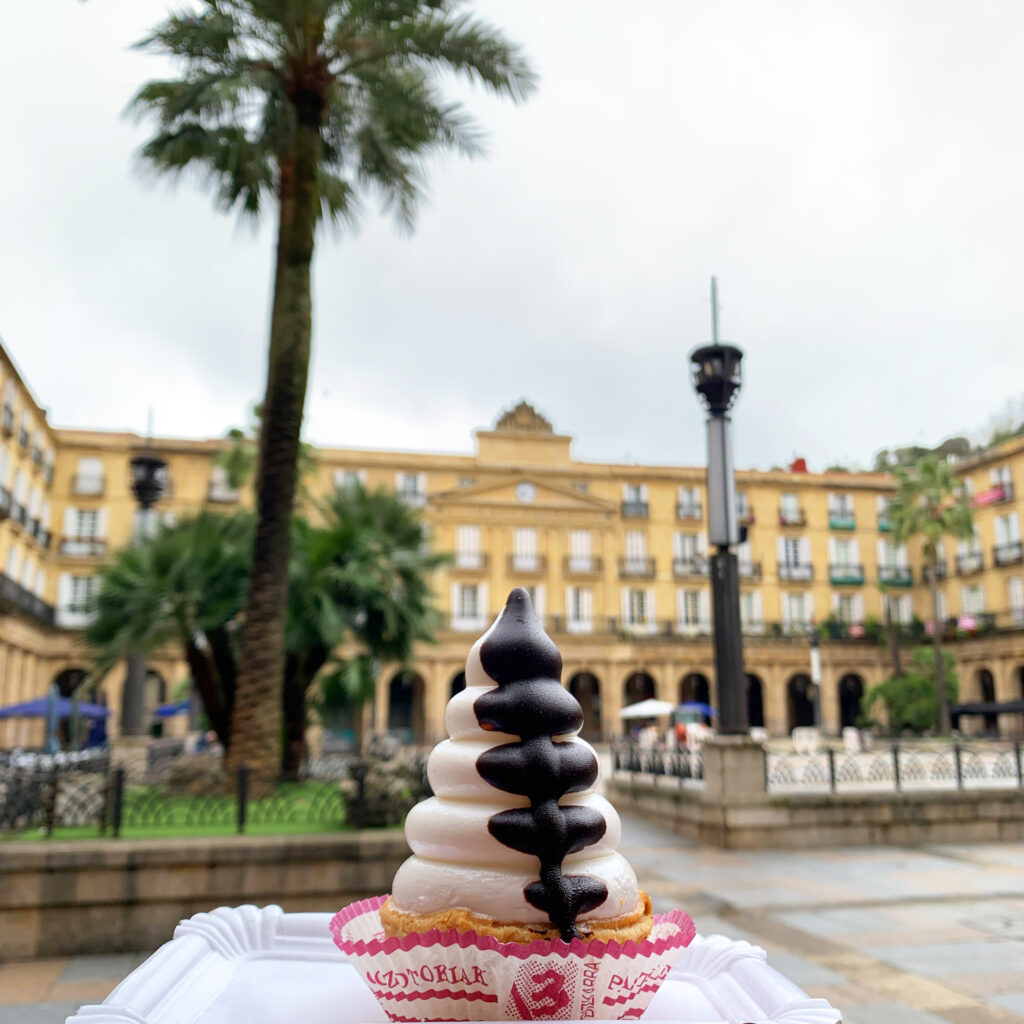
point(540, 994)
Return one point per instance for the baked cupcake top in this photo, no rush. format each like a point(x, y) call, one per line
point(515, 831)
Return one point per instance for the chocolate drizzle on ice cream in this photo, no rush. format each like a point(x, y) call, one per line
point(530, 702)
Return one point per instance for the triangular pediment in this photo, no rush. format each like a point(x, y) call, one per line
point(523, 492)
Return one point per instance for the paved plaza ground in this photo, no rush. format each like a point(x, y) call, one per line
point(932, 935)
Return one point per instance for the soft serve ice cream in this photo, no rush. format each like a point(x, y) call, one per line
point(516, 843)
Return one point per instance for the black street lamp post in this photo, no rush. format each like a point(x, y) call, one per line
point(149, 481)
point(716, 378)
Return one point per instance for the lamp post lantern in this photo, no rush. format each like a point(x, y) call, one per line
point(148, 482)
point(717, 379)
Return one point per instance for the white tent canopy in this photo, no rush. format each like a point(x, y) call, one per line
point(650, 708)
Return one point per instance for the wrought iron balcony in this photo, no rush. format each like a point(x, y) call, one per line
point(470, 561)
point(795, 571)
point(637, 568)
point(527, 565)
point(941, 571)
point(1008, 554)
point(83, 547)
point(884, 525)
point(792, 517)
point(19, 513)
point(695, 566)
point(842, 521)
point(414, 499)
point(221, 493)
point(745, 517)
point(14, 594)
point(970, 563)
point(690, 511)
point(581, 565)
point(895, 575)
point(846, 574)
point(635, 510)
point(750, 570)
point(90, 485)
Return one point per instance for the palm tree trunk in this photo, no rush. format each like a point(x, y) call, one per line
point(256, 718)
point(945, 723)
point(299, 674)
point(204, 678)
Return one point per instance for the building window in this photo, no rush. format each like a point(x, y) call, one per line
point(524, 558)
point(469, 606)
point(638, 607)
point(13, 562)
point(973, 600)
point(1015, 590)
point(467, 481)
point(536, 592)
point(789, 510)
point(693, 611)
point(690, 553)
point(634, 501)
point(467, 547)
point(579, 609)
point(898, 608)
point(848, 608)
point(797, 612)
point(412, 488)
point(89, 478)
point(743, 513)
point(688, 503)
point(751, 614)
point(346, 478)
point(580, 554)
point(840, 512)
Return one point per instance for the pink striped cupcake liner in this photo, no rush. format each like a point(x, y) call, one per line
point(441, 976)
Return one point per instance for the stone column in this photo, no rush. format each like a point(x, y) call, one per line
point(734, 771)
point(776, 718)
point(435, 700)
point(611, 700)
point(829, 698)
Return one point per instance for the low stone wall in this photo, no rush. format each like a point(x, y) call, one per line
point(825, 820)
point(62, 898)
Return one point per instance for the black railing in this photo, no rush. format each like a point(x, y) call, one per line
point(895, 575)
point(15, 594)
point(750, 570)
point(581, 565)
point(978, 765)
point(795, 571)
point(8, 420)
point(792, 517)
point(941, 571)
point(88, 485)
point(635, 510)
point(19, 513)
point(530, 565)
point(695, 566)
point(846, 574)
point(970, 563)
point(1009, 553)
point(683, 763)
point(470, 561)
point(83, 547)
point(695, 512)
point(637, 568)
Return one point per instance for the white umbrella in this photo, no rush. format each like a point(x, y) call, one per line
point(650, 708)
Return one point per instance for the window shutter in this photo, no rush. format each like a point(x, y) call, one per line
point(101, 523)
point(651, 617)
point(1013, 524)
point(702, 543)
point(455, 608)
point(832, 559)
point(483, 608)
point(780, 547)
point(586, 604)
point(538, 600)
point(809, 606)
point(787, 617)
point(625, 605)
point(756, 606)
point(643, 492)
point(858, 607)
point(704, 605)
point(570, 603)
point(70, 521)
point(64, 590)
point(881, 553)
point(835, 600)
point(805, 550)
point(1016, 588)
point(678, 547)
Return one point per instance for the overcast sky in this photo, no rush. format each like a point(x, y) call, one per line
point(851, 171)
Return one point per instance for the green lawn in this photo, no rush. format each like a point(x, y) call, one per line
point(303, 808)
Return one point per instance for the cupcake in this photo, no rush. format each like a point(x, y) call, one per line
point(515, 863)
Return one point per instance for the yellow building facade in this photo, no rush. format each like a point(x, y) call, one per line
point(615, 556)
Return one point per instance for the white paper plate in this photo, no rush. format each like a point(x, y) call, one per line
point(251, 965)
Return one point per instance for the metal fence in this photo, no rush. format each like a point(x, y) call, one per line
point(899, 768)
point(683, 763)
point(72, 796)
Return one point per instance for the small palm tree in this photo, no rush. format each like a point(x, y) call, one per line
point(184, 586)
point(362, 576)
point(931, 504)
point(310, 102)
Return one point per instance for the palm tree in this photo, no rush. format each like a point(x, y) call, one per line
point(931, 504)
point(363, 576)
point(185, 585)
point(315, 102)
